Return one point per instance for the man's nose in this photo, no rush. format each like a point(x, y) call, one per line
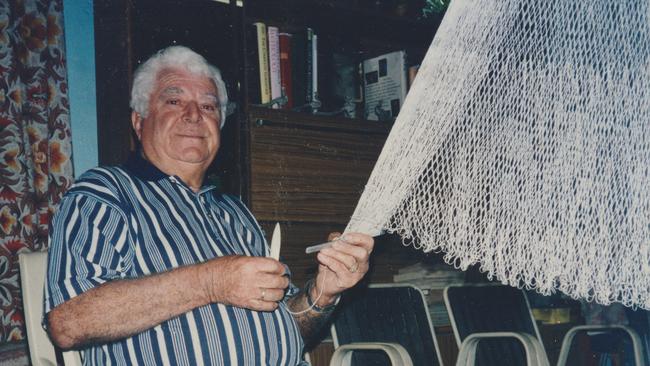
point(192, 113)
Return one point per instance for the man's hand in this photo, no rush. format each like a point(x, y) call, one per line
point(342, 265)
point(256, 283)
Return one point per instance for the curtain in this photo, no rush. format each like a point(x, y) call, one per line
point(35, 145)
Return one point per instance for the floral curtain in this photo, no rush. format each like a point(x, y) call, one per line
point(35, 146)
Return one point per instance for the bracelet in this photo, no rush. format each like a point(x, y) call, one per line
point(326, 309)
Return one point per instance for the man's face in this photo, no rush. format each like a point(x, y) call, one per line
point(181, 132)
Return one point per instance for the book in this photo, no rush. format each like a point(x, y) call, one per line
point(274, 63)
point(314, 70)
point(299, 66)
point(253, 65)
point(309, 50)
point(285, 68)
point(384, 85)
point(427, 276)
point(263, 54)
point(302, 64)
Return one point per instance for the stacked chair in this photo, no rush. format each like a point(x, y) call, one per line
point(384, 325)
point(493, 326)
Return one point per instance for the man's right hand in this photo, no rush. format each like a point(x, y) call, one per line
point(256, 283)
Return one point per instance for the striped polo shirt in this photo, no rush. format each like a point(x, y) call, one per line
point(131, 221)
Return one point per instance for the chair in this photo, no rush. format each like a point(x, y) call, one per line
point(32, 278)
point(499, 318)
point(636, 340)
point(384, 324)
point(639, 320)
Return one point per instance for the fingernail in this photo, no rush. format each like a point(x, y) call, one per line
point(344, 237)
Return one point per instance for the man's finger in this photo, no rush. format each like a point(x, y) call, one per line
point(333, 236)
point(261, 305)
point(358, 252)
point(362, 240)
point(274, 281)
point(332, 263)
point(268, 265)
point(269, 294)
point(348, 260)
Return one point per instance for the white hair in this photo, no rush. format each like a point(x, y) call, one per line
point(181, 57)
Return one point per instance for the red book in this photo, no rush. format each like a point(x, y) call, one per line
point(285, 68)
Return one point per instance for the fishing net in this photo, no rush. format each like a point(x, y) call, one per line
point(523, 146)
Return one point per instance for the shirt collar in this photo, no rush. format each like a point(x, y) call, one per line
point(142, 168)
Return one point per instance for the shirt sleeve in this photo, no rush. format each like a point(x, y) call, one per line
point(88, 240)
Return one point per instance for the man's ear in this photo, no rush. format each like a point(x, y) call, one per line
point(136, 122)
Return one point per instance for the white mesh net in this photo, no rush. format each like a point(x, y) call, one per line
point(523, 146)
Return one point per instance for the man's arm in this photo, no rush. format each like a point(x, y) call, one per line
point(311, 319)
point(122, 308)
point(341, 267)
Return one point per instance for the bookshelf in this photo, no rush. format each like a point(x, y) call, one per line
point(304, 170)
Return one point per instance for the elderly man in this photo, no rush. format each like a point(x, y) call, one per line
point(148, 266)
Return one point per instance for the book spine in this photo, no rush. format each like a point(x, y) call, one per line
point(310, 62)
point(405, 84)
point(314, 67)
point(263, 52)
point(253, 65)
point(274, 63)
point(285, 68)
point(299, 67)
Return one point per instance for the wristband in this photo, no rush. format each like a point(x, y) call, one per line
point(312, 304)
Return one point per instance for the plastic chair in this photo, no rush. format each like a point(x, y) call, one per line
point(32, 278)
point(637, 343)
point(500, 318)
point(497, 317)
point(384, 324)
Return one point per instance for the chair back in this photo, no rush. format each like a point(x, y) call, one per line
point(386, 313)
point(484, 309)
point(32, 279)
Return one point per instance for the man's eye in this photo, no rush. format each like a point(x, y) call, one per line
point(209, 107)
point(173, 101)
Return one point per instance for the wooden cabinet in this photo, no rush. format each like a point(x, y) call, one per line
point(309, 169)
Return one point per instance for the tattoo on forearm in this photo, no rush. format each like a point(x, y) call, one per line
point(310, 322)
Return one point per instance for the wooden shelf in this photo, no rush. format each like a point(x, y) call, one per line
point(305, 120)
point(345, 18)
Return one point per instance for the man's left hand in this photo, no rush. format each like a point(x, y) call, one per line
point(342, 266)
